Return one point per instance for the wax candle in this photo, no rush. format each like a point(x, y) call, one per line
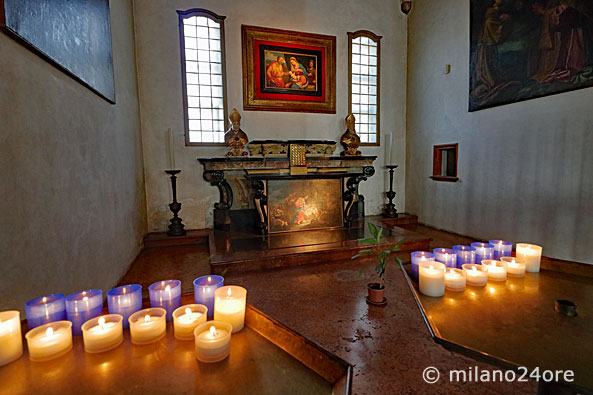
point(483, 251)
point(102, 333)
point(11, 343)
point(446, 256)
point(229, 306)
point(204, 288)
point(213, 341)
point(417, 257)
point(187, 318)
point(454, 280)
point(496, 270)
point(49, 341)
point(166, 294)
point(82, 306)
point(515, 266)
point(125, 300)
point(148, 325)
point(531, 254)
point(501, 248)
point(45, 309)
point(474, 275)
point(171, 150)
point(432, 278)
point(465, 255)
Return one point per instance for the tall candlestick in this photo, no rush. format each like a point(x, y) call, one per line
point(102, 333)
point(125, 300)
point(484, 251)
point(171, 147)
point(45, 309)
point(213, 341)
point(446, 256)
point(49, 341)
point(187, 318)
point(432, 278)
point(417, 257)
point(229, 306)
point(148, 325)
point(204, 288)
point(501, 248)
point(82, 306)
point(166, 294)
point(11, 344)
point(465, 255)
point(531, 254)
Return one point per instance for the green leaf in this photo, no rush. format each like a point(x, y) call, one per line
point(379, 234)
point(368, 241)
point(363, 252)
point(373, 229)
point(378, 268)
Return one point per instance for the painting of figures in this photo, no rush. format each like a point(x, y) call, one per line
point(290, 71)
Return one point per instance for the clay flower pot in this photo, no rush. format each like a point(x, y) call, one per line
point(376, 294)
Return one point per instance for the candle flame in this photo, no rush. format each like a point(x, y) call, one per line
point(124, 291)
point(146, 318)
point(168, 288)
point(212, 331)
point(44, 299)
point(431, 267)
point(474, 269)
point(209, 279)
point(493, 264)
point(49, 332)
point(451, 271)
point(188, 311)
point(102, 322)
point(513, 261)
point(85, 298)
point(229, 292)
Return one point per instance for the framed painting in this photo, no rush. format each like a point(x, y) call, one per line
point(304, 204)
point(288, 71)
point(524, 49)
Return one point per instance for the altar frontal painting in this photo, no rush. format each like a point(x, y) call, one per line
point(524, 49)
point(304, 204)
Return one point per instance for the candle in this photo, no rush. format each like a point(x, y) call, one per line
point(213, 341)
point(465, 255)
point(187, 318)
point(171, 152)
point(102, 333)
point(125, 300)
point(166, 294)
point(417, 257)
point(204, 288)
point(229, 306)
point(45, 309)
point(474, 275)
point(496, 270)
point(531, 254)
point(82, 306)
point(454, 280)
point(148, 325)
point(515, 266)
point(501, 248)
point(446, 256)
point(389, 149)
point(432, 278)
point(483, 251)
point(49, 341)
point(11, 343)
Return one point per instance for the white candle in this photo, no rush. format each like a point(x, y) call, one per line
point(455, 280)
point(475, 275)
point(103, 333)
point(389, 146)
point(148, 325)
point(171, 155)
point(187, 318)
point(229, 305)
point(432, 278)
point(496, 270)
point(212, 341)
point(515, 267)
point(531, 254)
point(11, 343)
point(49, 341)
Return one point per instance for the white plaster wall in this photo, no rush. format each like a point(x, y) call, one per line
point(72, 189)
point(525, 169)
point(159, 70)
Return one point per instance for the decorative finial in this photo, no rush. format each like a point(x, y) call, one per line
point(235, 138)
point(350, 140)
point(406, 6)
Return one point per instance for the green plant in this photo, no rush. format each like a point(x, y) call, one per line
point(381, 255)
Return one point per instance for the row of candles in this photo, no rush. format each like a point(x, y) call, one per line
point(473, 265)
point(54, 319)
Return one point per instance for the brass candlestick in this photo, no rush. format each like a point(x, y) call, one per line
point(176, 227)
point(390, 211)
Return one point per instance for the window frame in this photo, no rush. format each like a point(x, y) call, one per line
point(377, 39)
point(182, 15)
point(437, 162)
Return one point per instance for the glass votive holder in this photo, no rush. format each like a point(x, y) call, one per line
point(125, 301)
point(501, 248)
point(431, 278)
point(49, 341)
point(82, 306)
point(148, 325)
point(417, 257)
point(229, 306)
point(446, 256)
point(45, 309)
point(166, 294)
point(187, 318)
point(474, 275)
point(515, 267)
point(454, 280)
point(204, 289)
point(213, 341)
point(102, 333)
point(465, 255)
point(496, 270)
point(483, 251)
point(531, 254)
point(11, 342)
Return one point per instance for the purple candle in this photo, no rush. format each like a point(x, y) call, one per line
point(204, 288)
point(166, 294)
point(125, 300)
point(45, 309)
point(417, 257)
point(501, 248)
point(465, 255)
point(484, 251)
point(82, 306)
point(446, 256)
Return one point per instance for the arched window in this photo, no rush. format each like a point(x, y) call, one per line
point(364, 55)
point(203, 73)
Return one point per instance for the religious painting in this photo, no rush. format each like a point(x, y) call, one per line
point(304, 204)
point(524, 49)
point(288, 71)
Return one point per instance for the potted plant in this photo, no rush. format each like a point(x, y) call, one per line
point(376, 290)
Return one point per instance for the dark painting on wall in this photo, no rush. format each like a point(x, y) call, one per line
point(524, 49)
point(74, 35)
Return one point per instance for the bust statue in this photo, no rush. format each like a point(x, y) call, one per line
point(350, 140)
point(235, 138)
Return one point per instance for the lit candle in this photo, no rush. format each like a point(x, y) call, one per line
point(501, 248)
point(454, 280)
point(465, 255)
point(432, 278)
point(515, 266)
point(213, 341)
point(531, 254)
point(446, 256)
point(148, 325)
point(103, 333)
point(49, 341)
point(11, 343)
point(204, 288)
point(45, 309)
point(229, 306)
point(484, 251)
point(166, 294)
point(475, 275)
point(187, 318)
point(417, 257)
point(125, 300)
point(82, 306)
point(496, 270)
